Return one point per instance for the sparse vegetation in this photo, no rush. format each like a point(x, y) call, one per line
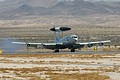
point(104, 69)
point(87, 76)
point(25, 21)
point(71, 56)
point(59, 69)
point(25, 72)
point(36, 78)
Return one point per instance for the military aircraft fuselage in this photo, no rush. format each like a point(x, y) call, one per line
point(65, 42)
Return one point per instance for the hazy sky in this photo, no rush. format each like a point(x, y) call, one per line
point(90, 0)
point(2, 0)
point(73, 0)
point(104, 0)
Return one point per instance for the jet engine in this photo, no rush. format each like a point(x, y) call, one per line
point(60, 29)
point(101, 44)
point(28, 45)
point(90, 45)
point(31, 45)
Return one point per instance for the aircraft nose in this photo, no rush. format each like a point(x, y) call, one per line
point(76, 39)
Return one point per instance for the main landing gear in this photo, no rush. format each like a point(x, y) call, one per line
point(57, 51)
point(72, 50)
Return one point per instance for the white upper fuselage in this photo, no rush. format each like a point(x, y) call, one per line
point(68, 39)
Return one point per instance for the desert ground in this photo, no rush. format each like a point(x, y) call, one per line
point(60, 66)
point(19, 22)
point(35, 64)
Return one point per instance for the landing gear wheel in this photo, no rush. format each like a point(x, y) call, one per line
point(57, 51)
point(72, 50)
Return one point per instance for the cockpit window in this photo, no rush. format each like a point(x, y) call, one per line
point(74, 36)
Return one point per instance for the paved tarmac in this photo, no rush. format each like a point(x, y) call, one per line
point(67, 52)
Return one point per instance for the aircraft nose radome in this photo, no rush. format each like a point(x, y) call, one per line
point(76, 39)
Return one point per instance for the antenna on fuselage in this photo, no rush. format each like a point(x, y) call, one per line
point(57, 31)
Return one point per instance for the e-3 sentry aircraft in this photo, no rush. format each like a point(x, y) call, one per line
point(70, 41)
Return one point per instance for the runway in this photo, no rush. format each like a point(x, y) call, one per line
point(66, 52)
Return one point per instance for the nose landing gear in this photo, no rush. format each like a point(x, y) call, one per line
point(72, 50)
point(57, 51)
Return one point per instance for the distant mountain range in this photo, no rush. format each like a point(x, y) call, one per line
point(12, 9)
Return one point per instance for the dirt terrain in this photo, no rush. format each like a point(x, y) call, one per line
point(60, 66)
point(30, 21)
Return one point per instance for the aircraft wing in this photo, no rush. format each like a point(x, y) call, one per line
point(61, 45)
point(19, 43)
point(40, 45)
point(37, 43)
point(92, 43)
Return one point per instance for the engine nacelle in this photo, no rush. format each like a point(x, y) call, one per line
point(31, 45)
point(28, 45)
point(60, 29)
point(90, 45)
point(101, 44)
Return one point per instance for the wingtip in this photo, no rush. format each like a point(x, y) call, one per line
point(18, 43)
